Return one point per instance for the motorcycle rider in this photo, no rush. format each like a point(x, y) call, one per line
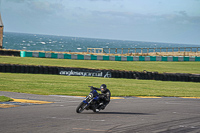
point(104, 97)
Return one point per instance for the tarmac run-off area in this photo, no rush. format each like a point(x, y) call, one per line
point(38, 113)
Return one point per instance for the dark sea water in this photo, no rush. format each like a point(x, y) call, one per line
point(22, 41)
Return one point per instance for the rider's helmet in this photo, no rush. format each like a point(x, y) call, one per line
point(103, 88)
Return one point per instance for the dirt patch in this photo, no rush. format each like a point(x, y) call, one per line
point(8, 106)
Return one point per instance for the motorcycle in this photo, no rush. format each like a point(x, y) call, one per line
point(91, 102)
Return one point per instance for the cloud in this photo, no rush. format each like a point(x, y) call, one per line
point(45, 7)
point(99, 0)
point(35, 8)
point(183, 13)
point(18, 1)
point(180, 17)
point(42, 6)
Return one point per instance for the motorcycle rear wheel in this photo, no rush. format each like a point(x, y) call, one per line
point(80, 108)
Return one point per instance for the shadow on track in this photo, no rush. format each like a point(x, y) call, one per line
point(122, 113)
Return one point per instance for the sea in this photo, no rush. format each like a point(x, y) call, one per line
point(38, 42)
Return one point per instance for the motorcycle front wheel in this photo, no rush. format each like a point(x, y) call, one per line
point(80, 107)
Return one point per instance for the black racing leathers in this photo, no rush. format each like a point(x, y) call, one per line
point(104, 98)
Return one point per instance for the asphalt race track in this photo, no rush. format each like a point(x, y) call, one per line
point(129, 115)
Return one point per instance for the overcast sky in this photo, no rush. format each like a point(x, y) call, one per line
point(171, 21)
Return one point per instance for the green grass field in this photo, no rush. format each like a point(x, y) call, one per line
point(171, 67)
point(73, 85)
point(5, 99)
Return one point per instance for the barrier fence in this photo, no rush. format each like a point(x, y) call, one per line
point(106, 57)
point(145, 75)
point(9, 52)
point(142, 50)
point(98, 57)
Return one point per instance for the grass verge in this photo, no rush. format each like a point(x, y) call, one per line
point(74, 85)
point(5, 99)
point(152, 66)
